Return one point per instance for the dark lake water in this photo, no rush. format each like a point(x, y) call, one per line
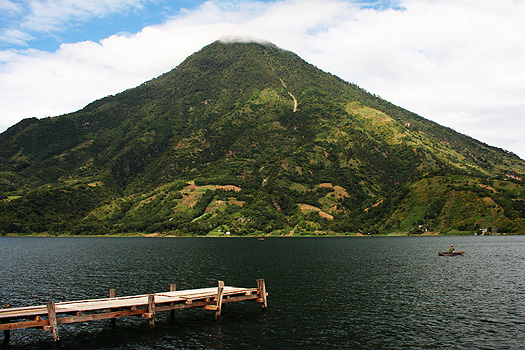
point(324, 293)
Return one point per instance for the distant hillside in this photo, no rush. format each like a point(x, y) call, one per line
point(251, 139)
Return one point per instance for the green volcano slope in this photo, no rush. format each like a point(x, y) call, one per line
point(251, 139)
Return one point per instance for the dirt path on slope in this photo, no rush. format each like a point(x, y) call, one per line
point(295, 103)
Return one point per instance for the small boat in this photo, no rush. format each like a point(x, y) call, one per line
point(450, 254)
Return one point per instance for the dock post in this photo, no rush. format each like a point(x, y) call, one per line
point(52, 319)
point(113, 294)
point(220, 291)
point(261, 290)
point(7, 336)
point(7, 333)
point(151, 310)
point(173, 288)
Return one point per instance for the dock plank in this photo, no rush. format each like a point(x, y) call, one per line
point(121, 302)
point(49, 316)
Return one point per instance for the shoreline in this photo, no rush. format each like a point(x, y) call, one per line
point(160, 235)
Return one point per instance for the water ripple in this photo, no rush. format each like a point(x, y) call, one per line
point(325, 293)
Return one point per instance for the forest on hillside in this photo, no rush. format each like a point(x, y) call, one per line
point(216, 145)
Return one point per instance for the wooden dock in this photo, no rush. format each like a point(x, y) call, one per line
point(49, 316)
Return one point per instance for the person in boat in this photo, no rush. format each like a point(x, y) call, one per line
point(451, 249)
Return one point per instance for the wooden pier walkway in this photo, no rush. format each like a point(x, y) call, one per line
point(49, 316)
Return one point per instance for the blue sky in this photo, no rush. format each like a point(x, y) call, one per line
point(45, 25)
point(80, 22)
point(457, 62)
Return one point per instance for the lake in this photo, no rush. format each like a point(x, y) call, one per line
point(324, 293)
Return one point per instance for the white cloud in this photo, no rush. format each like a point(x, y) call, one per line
point(48, 15)
point(15, 36)
point(9, 7)
point(459, 63)
point(28, 17)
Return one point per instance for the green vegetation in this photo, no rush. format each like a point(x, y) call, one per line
point(214, 146)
